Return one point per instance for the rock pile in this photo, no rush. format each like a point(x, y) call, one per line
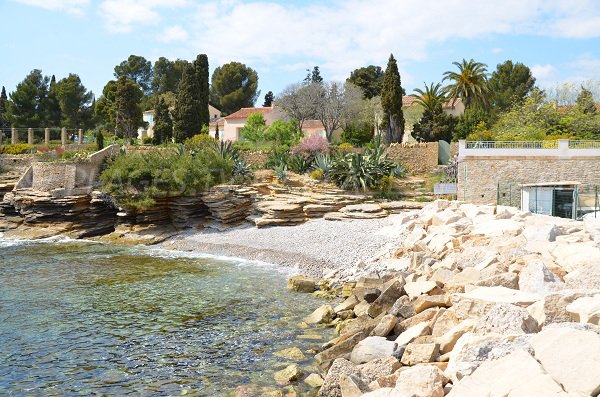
point(488, 301)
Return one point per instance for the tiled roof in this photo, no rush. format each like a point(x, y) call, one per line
point(408, 101)
point(243, 113)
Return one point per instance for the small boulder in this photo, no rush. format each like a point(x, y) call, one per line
point(537, 278)
point(413, 332)
point(418, 353)
point(419, 381)
point(506, 319)
point(385, 326)
point(372, 348)
point(418, 288)
point(288, 375)
point(322, 315)
point(302, 284)
point(293, 353)
point(586, 309)
point(331, 383)
point(424, 302)
point(388, 297)
point(314, 380)
point(347, 304)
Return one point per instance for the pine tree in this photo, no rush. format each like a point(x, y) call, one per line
point(268, 99)
point(4, 124)
point(128, 115)
point(163, 125)
point(186, 118)
point(201, 71)
point(585, 101)
point(316, 76)
point(391, 101)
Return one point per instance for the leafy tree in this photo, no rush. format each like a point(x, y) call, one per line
point(105, 107)
point(74, 101)
point(509, 84)
point(335, 103)
point(163, 124)
point(26, 105)
point(585, 101)
point(283, 133)
point(167, 75)
point(469, 83)
point(435, 126)
point(186, 118)
point(234, 86)
point(128, 115)
point(268, 99)
point(300, 101)
point(531, 120)
point(391, 101)
point(201, 75)
point(4, 123)
point(137, 69)
point(369, 79)
point(471, 118)
point(52, 106)
point(254, 129)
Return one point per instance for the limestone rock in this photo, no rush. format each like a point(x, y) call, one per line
point(413, 332)
point(517, 374)
point(383, 392)
point(448, 340)
point(331, 383)
point(537, 278)
point(417, 353)
point(288, 375)
point(347, 304)
point(506, 279)
point(372, 348)
point(571, 357)
point(586, 309)
point(301, 284)
point(444, 322)
point(314, 380)
point(323, 314)
point(586, 277)
point(293, 353)
point(425, 316)
point(417, 288)
point(419, 381)
point(570, 257)
point(541, 232)
point(362, 308)
point(351, 386)
point(506, 319)
point(385, 326)
point(378, 368)
point(503, 295)
point(446, 217)
point(342, 348)
point(424, 302)
point(387, 298)
point(472, 350)
point(555, 305)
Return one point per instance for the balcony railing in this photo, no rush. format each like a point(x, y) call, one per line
point(561, 148)
point(512, 144)
point(584, 144)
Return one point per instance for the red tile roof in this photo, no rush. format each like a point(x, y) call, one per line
point(243, 113)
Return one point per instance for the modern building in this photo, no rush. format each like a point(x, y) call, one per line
point(559, 178)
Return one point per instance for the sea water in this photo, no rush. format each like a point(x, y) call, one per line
point(84, 318)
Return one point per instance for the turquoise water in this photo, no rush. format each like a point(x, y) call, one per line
point(81, 318)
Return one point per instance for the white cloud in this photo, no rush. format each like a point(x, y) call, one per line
point(173, 33)
point(345, 34)
point(122, 16)
point(496, 50)
point(545, 75)
point(75, 7)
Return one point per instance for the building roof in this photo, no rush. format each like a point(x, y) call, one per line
point(409, 100)
point(243, 113)
point(312, 124)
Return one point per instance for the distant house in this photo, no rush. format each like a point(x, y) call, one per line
point(455, 107)
point(231, 126)
point(148, 117)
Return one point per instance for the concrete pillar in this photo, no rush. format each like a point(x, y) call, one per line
point(47, 136)
point(14, 136)
point(63, 136)
point(30, 136)
point(80, 133)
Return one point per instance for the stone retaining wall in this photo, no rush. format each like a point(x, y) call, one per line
point(417, 158)
point(15, 161)
point(478, 179)
point(257, 158)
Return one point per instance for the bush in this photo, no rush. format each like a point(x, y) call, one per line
point(147, 140)
point(199, 142)
point(345, 147)
point(317, 174)
point(311, 146)
point(99, 140)
point(18, 148)
point(276, 158)
point(283, 133)
point(357, 134)
point(299, 164)
point(135, 181)
point(323, 163)
point(357, 171)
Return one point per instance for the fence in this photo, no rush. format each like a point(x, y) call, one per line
point(34, 136)
point(582, 203)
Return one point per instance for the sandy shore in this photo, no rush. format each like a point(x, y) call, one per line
point(314, 247)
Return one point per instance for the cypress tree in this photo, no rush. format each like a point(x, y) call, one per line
point(391, 101)
point(53, 113)
point(201, 71)
point(163, 125)
point(186, 118)
point(4, 124)
point(268, 99)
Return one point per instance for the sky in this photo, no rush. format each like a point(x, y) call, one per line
point(558, 39)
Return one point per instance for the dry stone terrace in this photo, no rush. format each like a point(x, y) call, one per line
point(477, 300)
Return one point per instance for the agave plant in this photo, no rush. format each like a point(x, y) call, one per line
point(281, 173)
point(299, 164)
point(241, 169)
point(358, 171)
point(277, 158)
point(226, 150)
point(324, 163)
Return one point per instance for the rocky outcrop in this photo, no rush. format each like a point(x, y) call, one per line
point(481, 308)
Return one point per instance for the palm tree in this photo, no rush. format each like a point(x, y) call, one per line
point(470, 83)
point(432, 98)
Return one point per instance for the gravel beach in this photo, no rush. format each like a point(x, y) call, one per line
point(313, 248)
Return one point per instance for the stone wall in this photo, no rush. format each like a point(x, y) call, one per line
point(418, 158)
point(15, 161)
point(478, 178)
point(255, 158)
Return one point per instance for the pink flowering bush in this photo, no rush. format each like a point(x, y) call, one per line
point(310, 146)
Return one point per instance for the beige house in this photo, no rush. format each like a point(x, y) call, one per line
point(230, 126)
point(148, 117)
point(454, 107)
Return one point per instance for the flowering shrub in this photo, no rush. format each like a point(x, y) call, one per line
point(311, 146)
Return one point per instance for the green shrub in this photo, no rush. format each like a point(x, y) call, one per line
point(317, 174)
point(199, 142)
point(299, 164)
point(277, 158)
point(362, 171)
point(357, 134)
point(99, 140)
point(281, 173)
point(18, 148)
point(147, 140)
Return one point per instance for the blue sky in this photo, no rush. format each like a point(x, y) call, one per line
point(558, 39)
